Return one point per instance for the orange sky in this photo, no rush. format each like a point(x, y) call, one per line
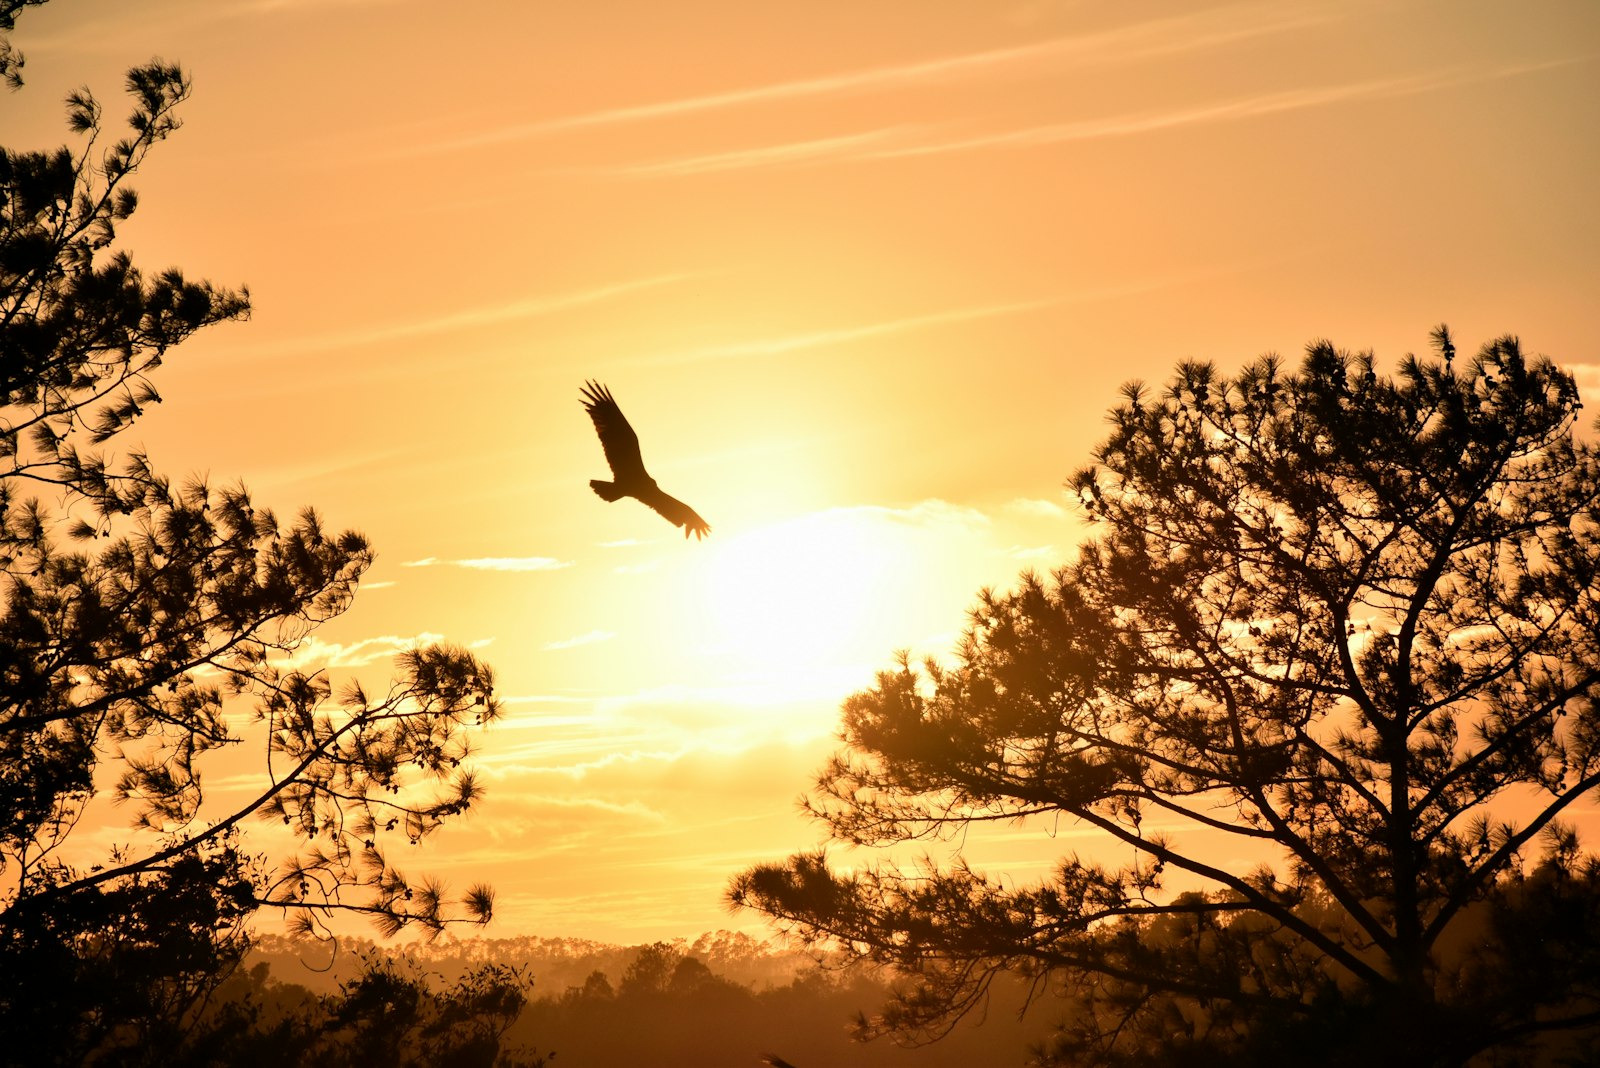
point(865, 278)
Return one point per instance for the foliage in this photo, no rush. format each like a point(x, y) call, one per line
point(1343, 623)
point(145, 626)
point(123, 966)
point(11, 61)
point(391, 1013)
point(672, 1007)
point(719, 999)
point(558, 962)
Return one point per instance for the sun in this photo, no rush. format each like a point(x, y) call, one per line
point(811, 596)
point(810, 607)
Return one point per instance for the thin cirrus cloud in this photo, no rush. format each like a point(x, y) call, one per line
point(820, 150)
point(766, 347)
point(494, 563)
point(1225, 111)
point(901, 142)
point(932, 512)
point(316, 653)
point(581, 639)
point(631, 810)
point(1036, 507)
point(778, 346)
point(1141, 40)
point(1587, 375)
point(527, 308)
point(322, 5)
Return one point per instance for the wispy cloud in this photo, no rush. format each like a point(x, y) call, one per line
point(1225, 111)
point(264, 6)
point(825, 149)
point(316, 654)
point(494, 563)
point(907, 142)
point(1157, 37)
point(1587, 376)
point(630, 809)
point(930, 512)
point(582, 639)
point(787, 343)
point(110, 30)
point(1036, 506)
point(324, 466)
point(547, 699)
point(778, 346)
point(466, 319)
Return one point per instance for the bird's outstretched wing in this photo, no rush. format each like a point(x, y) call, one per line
point(617, 438)
point(677, 513)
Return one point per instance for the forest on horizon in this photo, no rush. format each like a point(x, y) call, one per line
point(722, 1000)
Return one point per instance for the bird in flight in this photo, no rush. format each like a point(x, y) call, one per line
point(621, 446)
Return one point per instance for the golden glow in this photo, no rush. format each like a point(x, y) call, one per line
point(864, 277)
point(802, 595)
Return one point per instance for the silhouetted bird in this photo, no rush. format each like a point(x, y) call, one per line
point(627, 466)
point(772, 1060)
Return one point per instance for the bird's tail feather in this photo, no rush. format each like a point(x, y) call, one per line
point(607, 491)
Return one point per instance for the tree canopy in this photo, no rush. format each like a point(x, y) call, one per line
point(1342, 623)
point(12, 61)
point(393, 1013)
point(146, 625)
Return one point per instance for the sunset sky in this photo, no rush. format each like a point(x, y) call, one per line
point(865, 276)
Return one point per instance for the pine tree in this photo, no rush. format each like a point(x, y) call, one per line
point(1344, 622)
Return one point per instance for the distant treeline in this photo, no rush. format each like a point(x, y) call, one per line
point(720, 999)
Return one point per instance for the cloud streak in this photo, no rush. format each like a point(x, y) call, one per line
point(778, 346)
point(1225, 111)
point(582, 639)
point(932, 512)
point(1036, 507)
point(821, 150)
point(270, 6)
point(1587, 376)
point(758, 348)
point(494, 563)
point(1142, 40)
point(468, 318)
point(879, 144)
point(313, 653)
